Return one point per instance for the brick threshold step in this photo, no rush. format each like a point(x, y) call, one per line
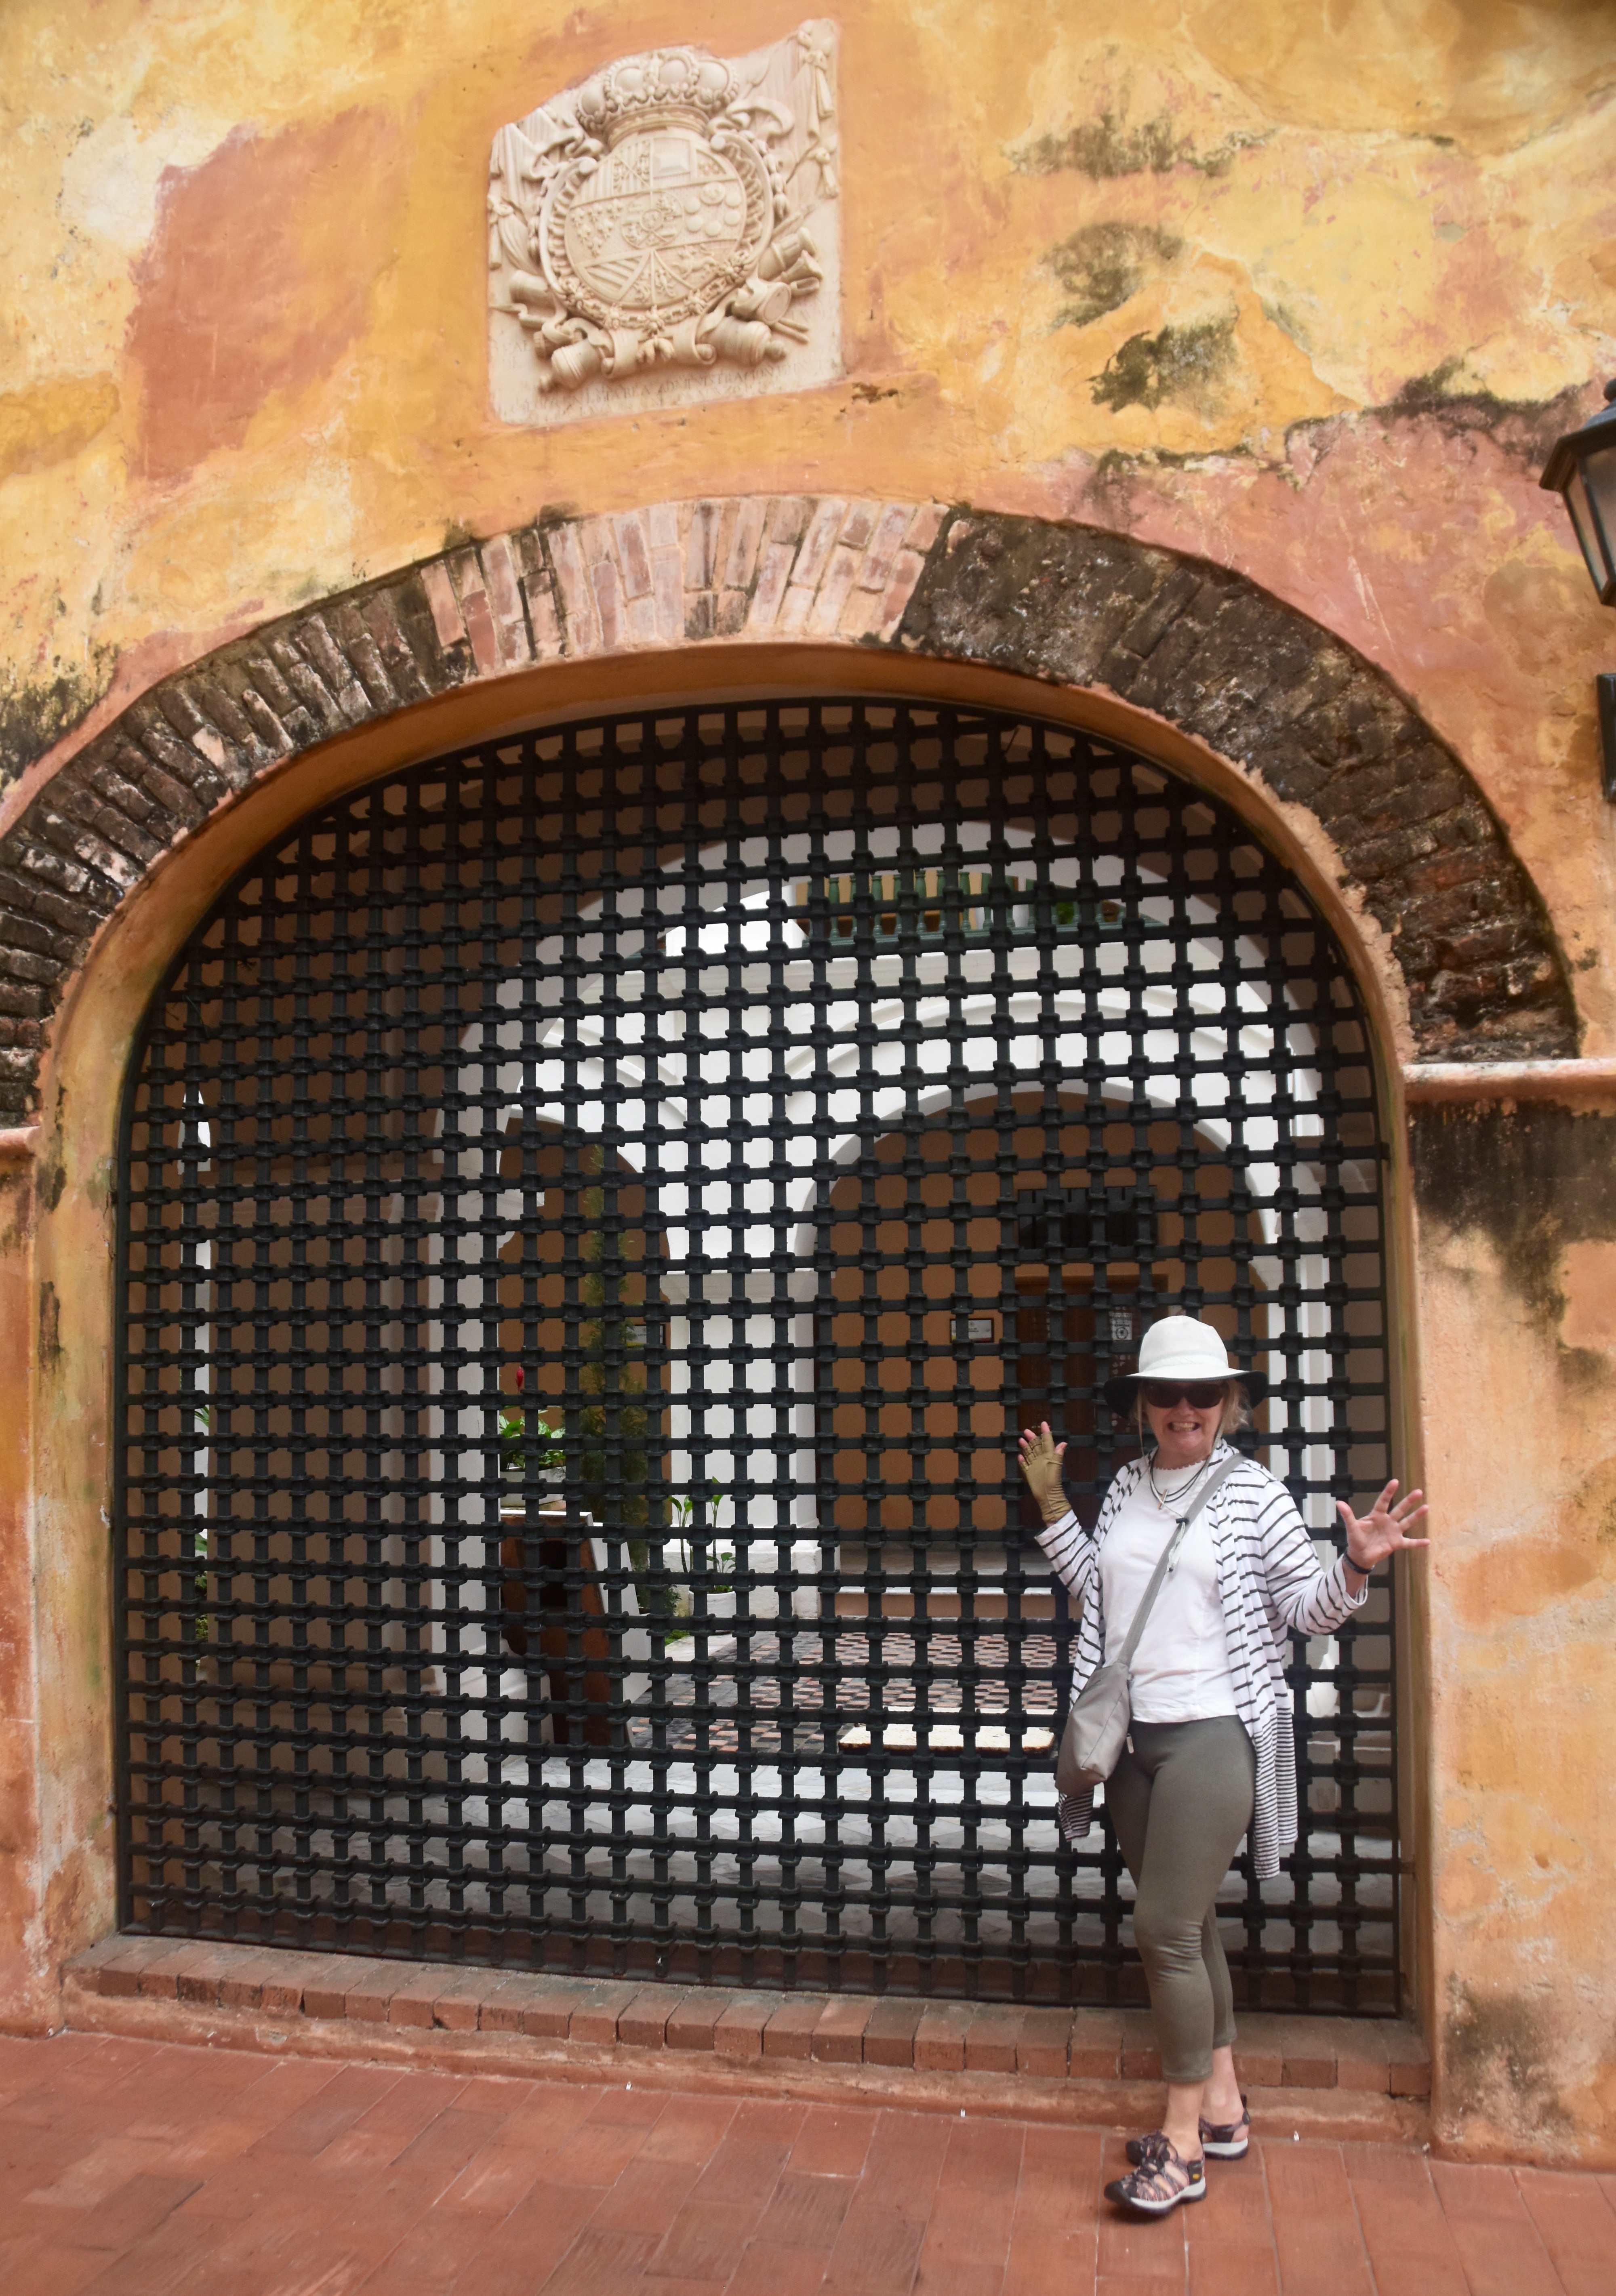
point(1095, 2068)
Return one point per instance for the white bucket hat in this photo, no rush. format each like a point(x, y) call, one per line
point(1183, 1347)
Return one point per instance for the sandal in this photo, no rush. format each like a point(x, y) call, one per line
point(1161, 2180)
point(1228, 2141)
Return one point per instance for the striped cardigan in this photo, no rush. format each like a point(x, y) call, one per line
point(1269, 1583)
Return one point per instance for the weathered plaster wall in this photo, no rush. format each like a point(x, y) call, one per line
point(1517, 1209)
point(1300, 287)
point(1303, 285)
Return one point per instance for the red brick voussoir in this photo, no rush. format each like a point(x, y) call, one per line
point(1186, 641)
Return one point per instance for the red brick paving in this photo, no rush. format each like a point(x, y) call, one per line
point(134, 2168)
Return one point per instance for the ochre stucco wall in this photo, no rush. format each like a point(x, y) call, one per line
point(1303, 286)
point(1517, 1212)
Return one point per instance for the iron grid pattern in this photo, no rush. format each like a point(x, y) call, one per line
point(594, 1209)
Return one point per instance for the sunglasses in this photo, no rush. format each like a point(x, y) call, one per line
point(1162, 1394)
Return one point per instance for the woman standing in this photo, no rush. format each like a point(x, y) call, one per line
point(1208, 1756)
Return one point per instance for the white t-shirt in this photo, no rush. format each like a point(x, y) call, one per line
point(1181, 1667)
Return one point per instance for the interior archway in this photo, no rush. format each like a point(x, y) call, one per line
point(1087, 1258)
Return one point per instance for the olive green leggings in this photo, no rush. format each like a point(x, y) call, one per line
point(1180, 1798)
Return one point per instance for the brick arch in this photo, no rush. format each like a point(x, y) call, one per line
point(1191, 642)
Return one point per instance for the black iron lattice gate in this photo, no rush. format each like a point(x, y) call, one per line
point(595, 1209)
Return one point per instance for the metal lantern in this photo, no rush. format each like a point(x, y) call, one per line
point(1582, 467)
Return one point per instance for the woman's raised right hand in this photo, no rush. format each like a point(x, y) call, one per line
point(1041, 1457)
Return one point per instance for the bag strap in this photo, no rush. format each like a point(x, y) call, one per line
point(1168, 1560)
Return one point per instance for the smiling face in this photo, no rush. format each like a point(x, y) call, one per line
point(1184, 1432)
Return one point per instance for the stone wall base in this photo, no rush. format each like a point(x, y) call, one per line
point(1092, 2067)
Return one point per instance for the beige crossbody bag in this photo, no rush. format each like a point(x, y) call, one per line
point(1097, 1725)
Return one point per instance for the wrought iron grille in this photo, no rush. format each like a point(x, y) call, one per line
point(594, 1209)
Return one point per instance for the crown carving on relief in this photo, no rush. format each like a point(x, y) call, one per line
point(665, 84)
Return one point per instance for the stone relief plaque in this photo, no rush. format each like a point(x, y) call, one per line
point(668, 231)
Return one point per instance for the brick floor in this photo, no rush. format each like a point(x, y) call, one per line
point(131, 2167)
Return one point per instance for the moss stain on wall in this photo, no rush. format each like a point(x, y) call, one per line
point(1102, 265)
point(1501, 2048)
point(1188, 365)
point(35, 712)
point(1530, 1180)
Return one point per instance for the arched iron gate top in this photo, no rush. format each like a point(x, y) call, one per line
point(595, 1208)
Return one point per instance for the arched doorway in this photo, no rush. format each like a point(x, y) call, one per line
point(720, 1008)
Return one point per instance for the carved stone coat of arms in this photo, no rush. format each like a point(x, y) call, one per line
point(665, 231)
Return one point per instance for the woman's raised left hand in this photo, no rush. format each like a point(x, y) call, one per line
point(1371, 1538)
point(1041, 1457)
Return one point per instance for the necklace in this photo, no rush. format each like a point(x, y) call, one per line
point(1168, 1500)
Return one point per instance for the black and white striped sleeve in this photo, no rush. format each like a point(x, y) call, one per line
point(1303, 1595)
point(1072, 1553)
